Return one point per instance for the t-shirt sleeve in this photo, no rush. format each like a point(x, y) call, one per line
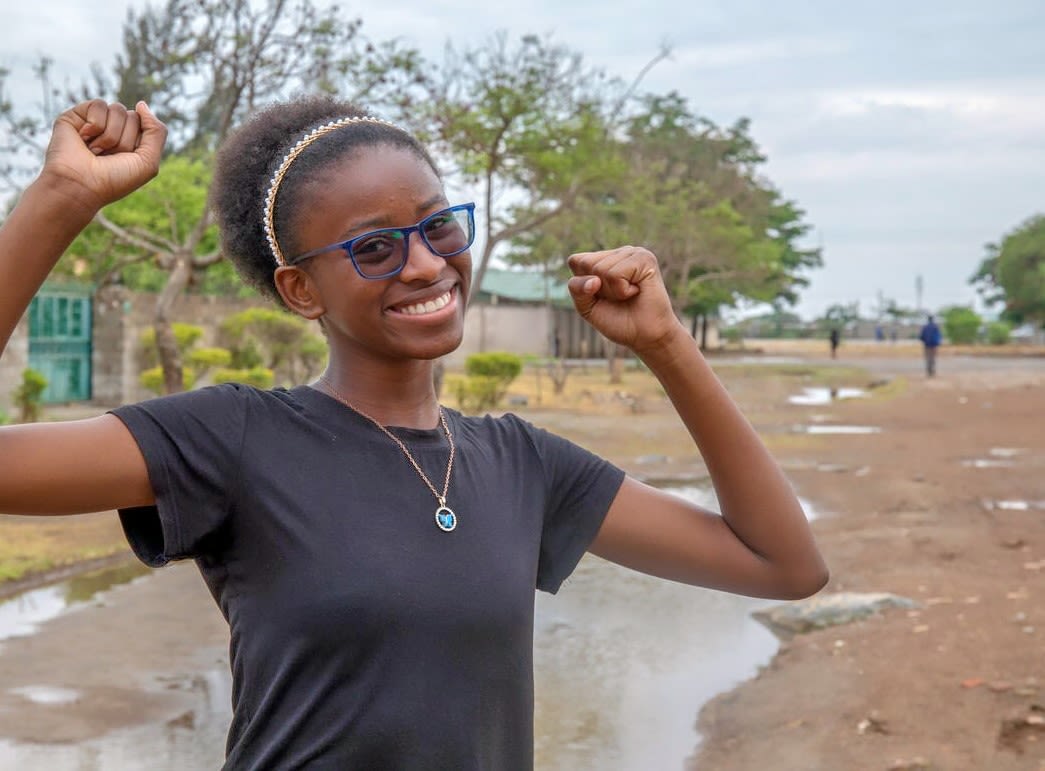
point(191, 443)
point(581, 486)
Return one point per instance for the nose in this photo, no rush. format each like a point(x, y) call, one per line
point(422, 264)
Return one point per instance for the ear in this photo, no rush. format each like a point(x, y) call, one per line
point(299, 292)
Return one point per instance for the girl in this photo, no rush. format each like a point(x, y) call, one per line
point(375, 554)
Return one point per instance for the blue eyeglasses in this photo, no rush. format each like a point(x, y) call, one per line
point(383, 253)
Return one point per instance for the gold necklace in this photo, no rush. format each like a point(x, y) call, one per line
point(445, 519)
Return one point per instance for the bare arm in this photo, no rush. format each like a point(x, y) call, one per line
point(761, 543)
point(98, 153)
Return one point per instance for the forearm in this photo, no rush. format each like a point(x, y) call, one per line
point(756, 500)
point(32, 239)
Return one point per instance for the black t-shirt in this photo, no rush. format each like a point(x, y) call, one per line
point(363, 637)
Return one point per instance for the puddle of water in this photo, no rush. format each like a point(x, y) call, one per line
point(22, 614)
point(624, 662)
point(840, 429)
point(987, 463)
point(821, 396)
point(194, 739)
point(47, 694)
point(1013, 504)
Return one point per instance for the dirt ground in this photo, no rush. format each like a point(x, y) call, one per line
point(944, 505)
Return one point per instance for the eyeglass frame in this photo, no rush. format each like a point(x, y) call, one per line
point(346, 246)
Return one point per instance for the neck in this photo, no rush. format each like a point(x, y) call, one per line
point(404, 397)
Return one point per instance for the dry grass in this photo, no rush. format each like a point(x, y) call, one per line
point(30, 545)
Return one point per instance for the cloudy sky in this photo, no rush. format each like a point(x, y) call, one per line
point(911, 132)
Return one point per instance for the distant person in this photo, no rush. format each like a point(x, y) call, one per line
point(836, 338)
point(931, 338)
point(879, 333)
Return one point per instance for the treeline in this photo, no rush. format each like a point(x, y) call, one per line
point(562, 156)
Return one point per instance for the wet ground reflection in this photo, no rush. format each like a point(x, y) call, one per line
point(21, 614)
point(624, 662)
point(193, 740)
point(820, 396)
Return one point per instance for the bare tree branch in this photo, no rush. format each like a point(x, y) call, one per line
point(126, 237)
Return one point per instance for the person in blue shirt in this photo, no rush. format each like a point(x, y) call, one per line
point(931, 338)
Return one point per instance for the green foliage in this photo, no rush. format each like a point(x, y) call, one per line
point(1014, 272)
point(998, 332)
point(692, 192)
point(29, 394)
point(487, 378)
point(152, 379)
point(276, 340)
point(496, 364)
point(733, 335)
point(150, 221)
point(259, 377)
point(475, 393)
point(838, 316)
point(185, 335)
point(526, 115)
point(961, 324)
point(202, 359)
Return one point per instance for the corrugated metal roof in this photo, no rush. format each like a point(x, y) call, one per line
point(524, 286)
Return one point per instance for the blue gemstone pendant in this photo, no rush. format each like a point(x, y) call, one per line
point(445, 519)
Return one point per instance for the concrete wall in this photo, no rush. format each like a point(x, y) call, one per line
point(12, 363)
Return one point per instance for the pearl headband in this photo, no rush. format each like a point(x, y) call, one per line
point(289, 158)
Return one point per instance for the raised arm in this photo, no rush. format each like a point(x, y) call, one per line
point(98, 153)
point(761, 544)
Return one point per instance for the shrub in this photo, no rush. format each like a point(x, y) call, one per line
point(961, 324)
point(496, 364)
point(475, 393)
point(280, 341)
point(29, 394)
point(488, 376)
point(186, 336)
point(203, 359)
point(998, 332)
point(259, 377)
point(152, 379)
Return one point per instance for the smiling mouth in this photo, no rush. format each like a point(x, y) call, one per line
point(431, 306)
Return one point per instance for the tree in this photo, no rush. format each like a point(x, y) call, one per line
point(840, 315)
point(1013, 272)
point(525, 122)
point(205, 64)
point(690, 191)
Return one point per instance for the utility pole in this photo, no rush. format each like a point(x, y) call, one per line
point(919, 287)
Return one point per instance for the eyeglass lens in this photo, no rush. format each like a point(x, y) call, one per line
point(446, 233)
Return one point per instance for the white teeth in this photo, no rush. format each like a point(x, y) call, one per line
point(428, 307)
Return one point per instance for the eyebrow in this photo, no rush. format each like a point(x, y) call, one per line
point(380, 222)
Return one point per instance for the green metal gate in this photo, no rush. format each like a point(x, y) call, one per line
point(60, 341)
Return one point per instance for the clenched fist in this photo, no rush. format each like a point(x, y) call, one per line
point(621, 293)
point(100, 152)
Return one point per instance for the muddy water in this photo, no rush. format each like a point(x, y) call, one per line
point(623, 663)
